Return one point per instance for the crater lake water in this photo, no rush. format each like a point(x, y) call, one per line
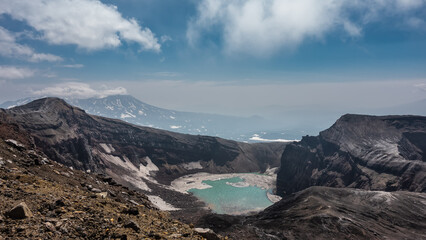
point(223, 198)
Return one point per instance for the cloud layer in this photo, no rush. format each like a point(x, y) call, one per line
point(12, 72)
point(263, 27)
point(78, 90)
point(10, 48)
point(89, 24)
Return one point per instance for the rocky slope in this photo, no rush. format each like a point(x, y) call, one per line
point(41, 199)
point(332, 213)
point(366, 152)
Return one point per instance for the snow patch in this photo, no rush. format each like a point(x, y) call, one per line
point(273, 198)
point(175, 127)
point(256, 137)
point(127, 115)
point(14, 142)
point(107, 147)
point(161, 204)
point(381, 196)
point(238, 184)
point(134, 175)
point(171, 117)
point(150, 167)
point(183, 184)
point(192, 165)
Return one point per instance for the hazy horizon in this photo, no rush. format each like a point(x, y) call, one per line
point(276, 59)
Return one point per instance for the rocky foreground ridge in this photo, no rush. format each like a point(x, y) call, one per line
point(41, 199)
point(366, 152)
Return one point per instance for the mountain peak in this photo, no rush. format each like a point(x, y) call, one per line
point(48, 104)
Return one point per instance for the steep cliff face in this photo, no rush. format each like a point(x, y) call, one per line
point(130, 153)
point(367, 152)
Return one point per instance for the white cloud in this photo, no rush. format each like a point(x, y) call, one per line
point(89, 24)
point(263, 27)
point(77, 90)
point(421, 86)
point(409, 4)
point(12, 72)
point(10, 48)
point(165, 38)
point(73, 66)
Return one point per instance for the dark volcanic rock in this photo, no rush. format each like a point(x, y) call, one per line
point(20, 211)
point(367, 152)
point(207, 233)
point(132, 225)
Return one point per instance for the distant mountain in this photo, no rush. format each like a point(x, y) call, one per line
point(19, 102)
point(132, 110)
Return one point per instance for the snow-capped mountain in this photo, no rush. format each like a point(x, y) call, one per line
point(132, 110)
point(19, 102)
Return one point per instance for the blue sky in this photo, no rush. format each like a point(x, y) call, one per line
point(234, 57)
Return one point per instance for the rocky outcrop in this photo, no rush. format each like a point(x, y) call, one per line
point(20, 211)
point(367, 152)
point(127, 152)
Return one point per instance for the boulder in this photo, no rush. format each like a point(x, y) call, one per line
point(207, 233)
point(96, 190)
point(102, 195)
point(21, 211)
point(132, 225)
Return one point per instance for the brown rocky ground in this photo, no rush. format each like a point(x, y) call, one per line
point(71, 204)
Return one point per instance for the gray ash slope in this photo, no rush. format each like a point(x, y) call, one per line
point(359, 151)
point(128, 152)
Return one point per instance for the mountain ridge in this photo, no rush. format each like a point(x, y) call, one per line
point(361, 151)
point(132, 110)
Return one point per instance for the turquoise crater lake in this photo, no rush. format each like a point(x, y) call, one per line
point(232, 196)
